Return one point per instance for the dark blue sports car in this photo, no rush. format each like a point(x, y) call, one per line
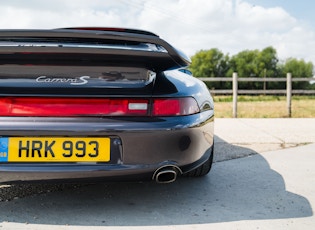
point(100, 103)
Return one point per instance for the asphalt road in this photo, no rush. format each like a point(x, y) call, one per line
point(263, 178)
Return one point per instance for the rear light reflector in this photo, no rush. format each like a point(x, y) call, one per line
point(138, 106)
point(72, 107)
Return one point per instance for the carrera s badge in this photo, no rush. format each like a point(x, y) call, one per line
point(73, 81)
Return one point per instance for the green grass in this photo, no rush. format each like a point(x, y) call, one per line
point(265, 106)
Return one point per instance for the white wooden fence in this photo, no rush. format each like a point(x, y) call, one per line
point(235, 91)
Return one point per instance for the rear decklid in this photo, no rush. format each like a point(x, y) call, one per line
point(83, 61)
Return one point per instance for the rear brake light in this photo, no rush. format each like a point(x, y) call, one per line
point(174, 106)
point(72, 107)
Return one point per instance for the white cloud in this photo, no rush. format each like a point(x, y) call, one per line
point(230, 25)
point(263, 19)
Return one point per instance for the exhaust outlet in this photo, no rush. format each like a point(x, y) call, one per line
point(166, 174)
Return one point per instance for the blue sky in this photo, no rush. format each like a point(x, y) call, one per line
point(190, 25)
point(301, 9)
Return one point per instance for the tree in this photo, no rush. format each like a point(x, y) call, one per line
point(267, 61)
point(298, 69)
point(254, 63)
point(210, 63)
point(244, 63)
point(268, 67)
point(249, 63)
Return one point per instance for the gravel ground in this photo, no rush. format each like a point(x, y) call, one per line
point(17, 191)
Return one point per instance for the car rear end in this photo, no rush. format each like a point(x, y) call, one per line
point(93, 103)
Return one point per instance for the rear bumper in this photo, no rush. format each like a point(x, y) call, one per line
point(88, 173)
point(138, 146)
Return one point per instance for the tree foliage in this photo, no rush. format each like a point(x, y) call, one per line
point(255, 63)
point(299, 69)
point(210, 63)
point(249, 63)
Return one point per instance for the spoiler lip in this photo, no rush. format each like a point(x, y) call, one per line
point(115, 29)
point(127, 35)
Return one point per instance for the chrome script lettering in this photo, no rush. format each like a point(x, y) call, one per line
point(73, 81)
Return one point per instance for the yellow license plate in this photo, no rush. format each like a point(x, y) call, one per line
point(54, 149)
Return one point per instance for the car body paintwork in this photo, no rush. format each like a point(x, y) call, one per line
point(139, 145)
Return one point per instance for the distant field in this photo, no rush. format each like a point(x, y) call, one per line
point(265, 106)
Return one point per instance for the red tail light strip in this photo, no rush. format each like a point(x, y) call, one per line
point(174, 106)
point(45, 107)
point(72, 107)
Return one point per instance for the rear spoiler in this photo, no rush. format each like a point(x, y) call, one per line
point(93, 45)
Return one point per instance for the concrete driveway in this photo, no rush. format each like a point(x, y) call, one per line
point(261, 135)
point(266, 187)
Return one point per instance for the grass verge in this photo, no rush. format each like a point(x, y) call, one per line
point(265, 106)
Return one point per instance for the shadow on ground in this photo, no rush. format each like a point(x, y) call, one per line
point(239, 189)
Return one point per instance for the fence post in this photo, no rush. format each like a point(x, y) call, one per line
point(289, 93)
point(235, 88)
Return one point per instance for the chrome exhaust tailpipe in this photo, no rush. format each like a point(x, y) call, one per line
point(166, 174)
